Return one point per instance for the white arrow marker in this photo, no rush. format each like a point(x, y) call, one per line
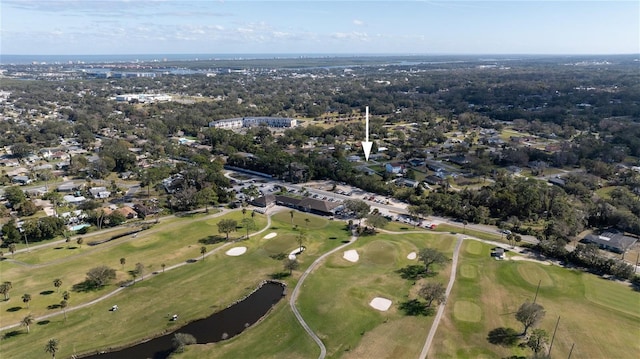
point(366, 144)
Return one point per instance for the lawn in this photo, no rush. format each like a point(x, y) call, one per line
point(211, 285)
point(173, 241)
point(335, 299)
point(488, 292)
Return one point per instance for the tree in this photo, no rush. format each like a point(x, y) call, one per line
point(52, 347)
point(66, 295)
point(180, 340)
point(15, 195)
point(291, 264)
point(163, 265)
point(227, 226)
point(291, 212)
point(249, 224)
point(100, 276)
point(123, 261)
point(12, 249)
point(377, 221)
point(26, 298)
point(5, 288)
point(530, 314)
point(27, 321)
point(139, 270)
point(63, 305)
point(57, 283)
point(538, 340)
point(79, 241)
point(301, 237)
point(359, 208)
point(430, 256)
point(11, 233)
point(432, 292)
point(203, 251)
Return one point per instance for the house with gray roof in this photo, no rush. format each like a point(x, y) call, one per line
point(611, 240)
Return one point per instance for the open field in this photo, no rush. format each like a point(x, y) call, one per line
point(209, 285)
point(589, 308)
point(335, 299)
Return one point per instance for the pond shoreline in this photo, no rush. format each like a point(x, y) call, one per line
point(165, 336)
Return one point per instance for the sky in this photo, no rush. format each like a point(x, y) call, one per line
point(97, 27)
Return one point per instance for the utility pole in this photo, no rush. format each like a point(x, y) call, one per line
point(537, 289)
point(553, 337)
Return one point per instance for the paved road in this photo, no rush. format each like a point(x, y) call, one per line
point(452, 279)
point(296, 291)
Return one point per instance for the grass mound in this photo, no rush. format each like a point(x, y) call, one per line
point(468, 271)
point(534, 273)
point(379, 253)
point(467, 311)
point(474, 247)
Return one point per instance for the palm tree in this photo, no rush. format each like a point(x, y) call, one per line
point(57, 283)
point(244, 211)
point(52, 347)
point(27, 321)
point(80, 241)
point(66, 295)
point(203, 250)
point(291, 214)
point(163, 265)
point(26, 298)
point(5, 287)
point(64, 304)
point(306, 222)
point(12, 249)
point(122, 262)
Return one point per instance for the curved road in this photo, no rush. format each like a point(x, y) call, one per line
point(296, 291)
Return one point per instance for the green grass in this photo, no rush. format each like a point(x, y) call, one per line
point(587, 305)
point(173, 241)
point(211, 285)
point(443, 227)
point(335, 299)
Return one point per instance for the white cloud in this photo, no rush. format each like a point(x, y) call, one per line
point(358, 22)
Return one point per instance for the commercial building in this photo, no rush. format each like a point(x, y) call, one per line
point(233, 123)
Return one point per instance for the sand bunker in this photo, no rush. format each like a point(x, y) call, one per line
point(412, 256)
point(351, 255)
point(295, 252)
point(381, 304)
point(270, 235)
point(236, 251)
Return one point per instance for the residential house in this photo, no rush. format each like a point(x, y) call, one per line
point(73, 199)
point(612, 240)
point(21, 180)
point(395, 168)
point(99, 192)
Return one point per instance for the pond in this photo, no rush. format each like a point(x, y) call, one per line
point(219, 326)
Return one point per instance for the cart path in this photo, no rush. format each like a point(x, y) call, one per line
point(119, 289)
point(296, 292)
point(452, 279)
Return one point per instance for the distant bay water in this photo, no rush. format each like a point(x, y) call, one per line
point(128, 58)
